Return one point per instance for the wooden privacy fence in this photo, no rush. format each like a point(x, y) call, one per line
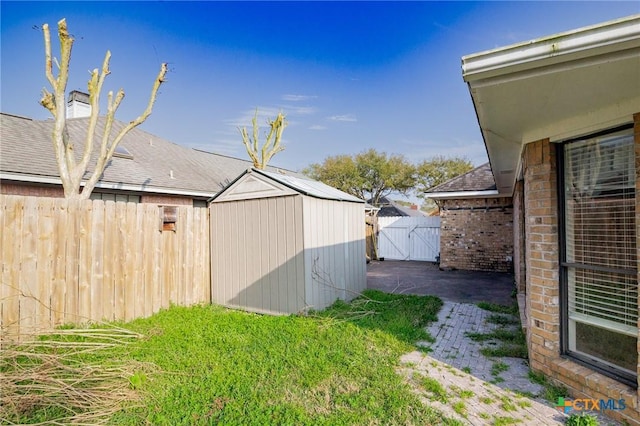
point(67, 261)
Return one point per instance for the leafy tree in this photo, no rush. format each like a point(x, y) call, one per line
point(339, 171)
point(261, 155)
point(437, 170)
point(71, 170)
point(368, 175)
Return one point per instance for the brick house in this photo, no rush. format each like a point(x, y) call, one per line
point(560, 118)
point(476, 222)
point(145, 168)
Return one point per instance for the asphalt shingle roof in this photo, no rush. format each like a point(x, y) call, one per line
point(157, 164)
point(478, 179)
point(389, 208)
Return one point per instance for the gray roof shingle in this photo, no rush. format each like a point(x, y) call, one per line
point(389, 208)
point(478, 179)
point(157, 164)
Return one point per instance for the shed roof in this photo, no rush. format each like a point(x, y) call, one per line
point(157, 165)
point(254, 183)
point(312, 188)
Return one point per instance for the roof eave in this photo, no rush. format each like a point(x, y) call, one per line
point(493, 193)
point(608, 37)
point(107, 185)
point(519, 92)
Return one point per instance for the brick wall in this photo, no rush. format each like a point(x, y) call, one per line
point(13, 188)
point(166, 199)
point(519, 270)
point(477, 234)
point(55, 191)
point(543, 285)
point(542, 255)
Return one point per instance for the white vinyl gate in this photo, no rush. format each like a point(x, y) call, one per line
point(409, 238)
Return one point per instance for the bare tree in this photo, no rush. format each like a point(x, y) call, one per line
point(71, 170)
point(261, 155)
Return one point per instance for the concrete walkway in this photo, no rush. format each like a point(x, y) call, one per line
point(406, 277)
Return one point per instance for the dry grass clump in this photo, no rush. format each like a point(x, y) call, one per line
point(66, 377)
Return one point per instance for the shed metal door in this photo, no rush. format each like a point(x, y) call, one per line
point(409, 238)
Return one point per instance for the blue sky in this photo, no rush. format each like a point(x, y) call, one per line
point(348, 75)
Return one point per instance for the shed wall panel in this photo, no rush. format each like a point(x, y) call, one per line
point(334, 251)
point(256, 248)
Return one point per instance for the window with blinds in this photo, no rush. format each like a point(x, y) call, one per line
point(600, 254)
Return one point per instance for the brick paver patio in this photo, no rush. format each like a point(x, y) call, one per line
point(474, 396)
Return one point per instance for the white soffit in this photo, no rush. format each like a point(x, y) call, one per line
point(556, 87)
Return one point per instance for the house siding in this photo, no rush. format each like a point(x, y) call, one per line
point(477, 234)
point(541, 226)
point(56, 191)
point(13, 188)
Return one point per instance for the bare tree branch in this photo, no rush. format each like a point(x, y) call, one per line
point(71, 171)
point(261, 156)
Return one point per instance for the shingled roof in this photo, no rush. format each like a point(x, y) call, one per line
point(477, 182)
point(155, 164)
point(389, 208)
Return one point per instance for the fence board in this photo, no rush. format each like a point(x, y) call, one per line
point(28, 262)
point(179, 255)
point(205, 259)
point(78, 261)
point(168, 263)
point(132, 281)
point(201, 283)
point(85, 261)
point(71, 257)
point(13, 213)
point(119, 252)
point(147, 261)
point(62, 232)
point(110, 251)
point(4, 289)
point(44, 262)
point(153, 238)
point(97, 261)
point(188, 240)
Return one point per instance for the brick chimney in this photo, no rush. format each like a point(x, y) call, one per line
point(78, 105)
point(414, 207)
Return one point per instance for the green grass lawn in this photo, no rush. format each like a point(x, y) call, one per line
point(210, 365)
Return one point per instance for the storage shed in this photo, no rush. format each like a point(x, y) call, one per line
point(283, 244)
